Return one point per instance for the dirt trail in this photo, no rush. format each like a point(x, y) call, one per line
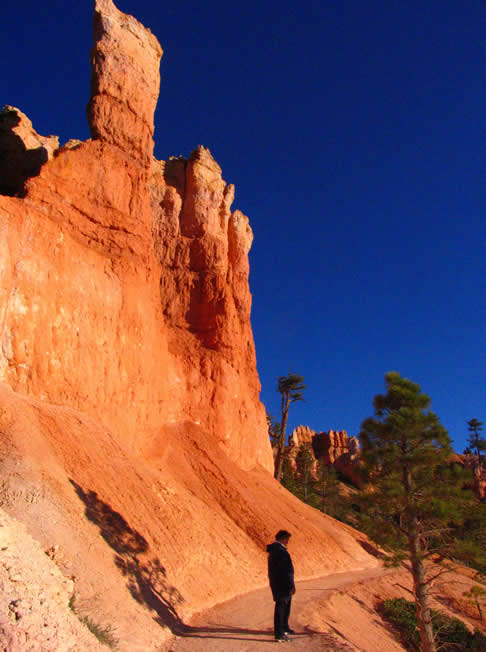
point(246, 622)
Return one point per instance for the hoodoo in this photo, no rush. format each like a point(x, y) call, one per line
point(132, 435)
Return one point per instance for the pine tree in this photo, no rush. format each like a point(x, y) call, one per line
point(415, 494)
point(305, 462)
point(475, 441)
point(327, 486)
point(291, 387)
point(288, 477)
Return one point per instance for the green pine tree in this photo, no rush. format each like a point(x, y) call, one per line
point(475, 441)
point(470, 538)
point(327, 486)
point(415, 494)
point(288, 477)
point(305, 462)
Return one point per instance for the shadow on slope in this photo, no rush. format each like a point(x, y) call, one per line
point(146, 576)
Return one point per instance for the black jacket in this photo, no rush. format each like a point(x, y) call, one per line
point(280, 570)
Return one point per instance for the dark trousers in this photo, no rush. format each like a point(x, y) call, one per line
point(281, 616)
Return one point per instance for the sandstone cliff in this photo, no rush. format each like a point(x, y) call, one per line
point(132, 434)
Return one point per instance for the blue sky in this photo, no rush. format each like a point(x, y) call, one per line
point(353, 133)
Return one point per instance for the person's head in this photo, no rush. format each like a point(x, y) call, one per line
point(283, 536)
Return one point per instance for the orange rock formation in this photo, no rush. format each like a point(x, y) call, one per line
point(301, 435)
point(132, 434)
point(332, 448)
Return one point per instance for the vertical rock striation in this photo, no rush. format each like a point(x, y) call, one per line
point(202, 248)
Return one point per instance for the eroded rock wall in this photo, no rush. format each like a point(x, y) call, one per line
point(202, 248)
point(124, 281)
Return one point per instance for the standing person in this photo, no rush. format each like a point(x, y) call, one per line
point(281, 576)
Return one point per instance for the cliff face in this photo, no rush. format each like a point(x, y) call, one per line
point(132, 435)
point(202, 248)
point(125, 280)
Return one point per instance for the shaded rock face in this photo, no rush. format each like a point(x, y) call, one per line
point(124, 283)
point(22, 151)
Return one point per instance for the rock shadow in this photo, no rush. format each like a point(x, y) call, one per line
point(146, 576)
point(17, 163)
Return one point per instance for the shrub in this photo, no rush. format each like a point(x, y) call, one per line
point(104, 634)
point(451, 634)
point(401, 613)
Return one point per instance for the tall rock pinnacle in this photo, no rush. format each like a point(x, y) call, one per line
point(125, 81)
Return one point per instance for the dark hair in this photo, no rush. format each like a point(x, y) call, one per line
point(282, 534)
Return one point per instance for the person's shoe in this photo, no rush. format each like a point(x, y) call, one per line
point(289, 631)
point(282, 639)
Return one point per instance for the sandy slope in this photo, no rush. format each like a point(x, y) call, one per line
point(153, 538)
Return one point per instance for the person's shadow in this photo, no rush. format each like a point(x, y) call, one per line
point(17, 163)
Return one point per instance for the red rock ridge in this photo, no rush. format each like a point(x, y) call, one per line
point(116, 296)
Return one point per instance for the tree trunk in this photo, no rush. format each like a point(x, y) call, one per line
point(279, 459)
point(424, 617)
point(479, 609)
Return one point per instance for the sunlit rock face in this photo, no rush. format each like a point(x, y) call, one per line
point(332, 448)
point(131, 431)
point(301, 435)
point(202, 248)
point(125, 82)
point(337, 449)
point(124, 280)
point(331, 445)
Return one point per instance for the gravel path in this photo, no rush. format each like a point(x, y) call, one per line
point(246, 622)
